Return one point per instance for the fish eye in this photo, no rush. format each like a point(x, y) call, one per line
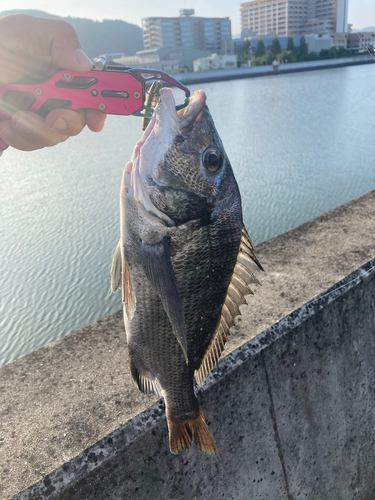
point(212, 159)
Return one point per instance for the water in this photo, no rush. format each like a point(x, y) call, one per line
point(300, 145)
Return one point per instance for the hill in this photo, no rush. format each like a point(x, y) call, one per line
point(98, 37)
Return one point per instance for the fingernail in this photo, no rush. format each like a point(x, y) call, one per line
point(60, 125)
point(23, 126)
point(6, 135)
point(82, 58)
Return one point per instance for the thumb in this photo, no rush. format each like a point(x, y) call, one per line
point(30, 36)
point(66, 50)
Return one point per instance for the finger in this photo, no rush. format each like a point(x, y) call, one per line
point(14, 67)
point(66, 121)
point(29, 36)
point(8, 135)
point(95, 119)
point(32, 128)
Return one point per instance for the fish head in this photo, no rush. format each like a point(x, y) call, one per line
point(180, 170)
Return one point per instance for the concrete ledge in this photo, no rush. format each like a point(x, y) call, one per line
point(292, 412)
point(73, 393)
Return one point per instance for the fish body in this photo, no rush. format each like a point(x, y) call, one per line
point(181, 239)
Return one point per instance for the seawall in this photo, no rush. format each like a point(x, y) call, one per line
point(291, 407)
point(256, 71)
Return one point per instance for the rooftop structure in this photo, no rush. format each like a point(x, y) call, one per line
point(202, 33)
point(284, 17)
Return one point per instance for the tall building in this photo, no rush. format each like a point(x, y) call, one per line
point(273, 16)
point(327, 16)
point(285, 17)
point(201, 33)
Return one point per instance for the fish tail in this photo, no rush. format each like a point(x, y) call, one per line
point(183, 433)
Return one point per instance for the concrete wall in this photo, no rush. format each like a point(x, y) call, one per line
point(292, 412)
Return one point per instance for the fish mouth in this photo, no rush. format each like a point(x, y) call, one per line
point(166, 115)
point(172, 122)
point(166, 124)
point(193, 112)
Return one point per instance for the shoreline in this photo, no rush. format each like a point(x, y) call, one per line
point(257, 71)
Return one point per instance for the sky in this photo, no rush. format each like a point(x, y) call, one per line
point(361, 12)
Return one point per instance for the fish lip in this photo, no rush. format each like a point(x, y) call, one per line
point(191, 114)
point(185, 119)
point(165, 124)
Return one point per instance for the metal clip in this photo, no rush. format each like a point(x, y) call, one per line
point(147, 76)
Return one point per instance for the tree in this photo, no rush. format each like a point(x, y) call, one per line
point(276, 48)
point(261, 50)
point(287, 56)
point(245, 56)
point(303, 47)
point(246, 53)
point(246, 49)
point(291, 47)
point(342, 52)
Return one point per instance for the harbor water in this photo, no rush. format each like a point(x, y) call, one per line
point(300, 144)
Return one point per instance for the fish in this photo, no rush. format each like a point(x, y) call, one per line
point(185, 261)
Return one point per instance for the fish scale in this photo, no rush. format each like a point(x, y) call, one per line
point(185, 259)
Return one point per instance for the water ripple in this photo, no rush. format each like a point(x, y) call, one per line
point(299, 144)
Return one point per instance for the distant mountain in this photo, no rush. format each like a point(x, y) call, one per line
point(371, 28)
point(98, 37)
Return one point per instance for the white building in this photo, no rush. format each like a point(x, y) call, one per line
point(342, 16)
point(285, 17)
point(170, 59)
point(317, 43)
point(201, 33)
point(215, 61)
point(340, 40)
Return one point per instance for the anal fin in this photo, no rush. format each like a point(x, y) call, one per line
point(145, 382)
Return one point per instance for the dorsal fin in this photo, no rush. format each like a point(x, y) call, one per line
point(238, 287)
point(248, 247)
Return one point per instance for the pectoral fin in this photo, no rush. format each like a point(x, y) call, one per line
point(159, 271)
point(116, 269)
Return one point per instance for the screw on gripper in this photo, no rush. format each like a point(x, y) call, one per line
point(152, 99)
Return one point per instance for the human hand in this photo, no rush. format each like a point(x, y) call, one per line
point(37, 47)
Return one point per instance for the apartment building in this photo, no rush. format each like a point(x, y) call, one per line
point(274, 16)
point(285, 17)
point(201, 33)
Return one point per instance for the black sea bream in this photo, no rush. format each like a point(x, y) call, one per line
point(184, 260)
